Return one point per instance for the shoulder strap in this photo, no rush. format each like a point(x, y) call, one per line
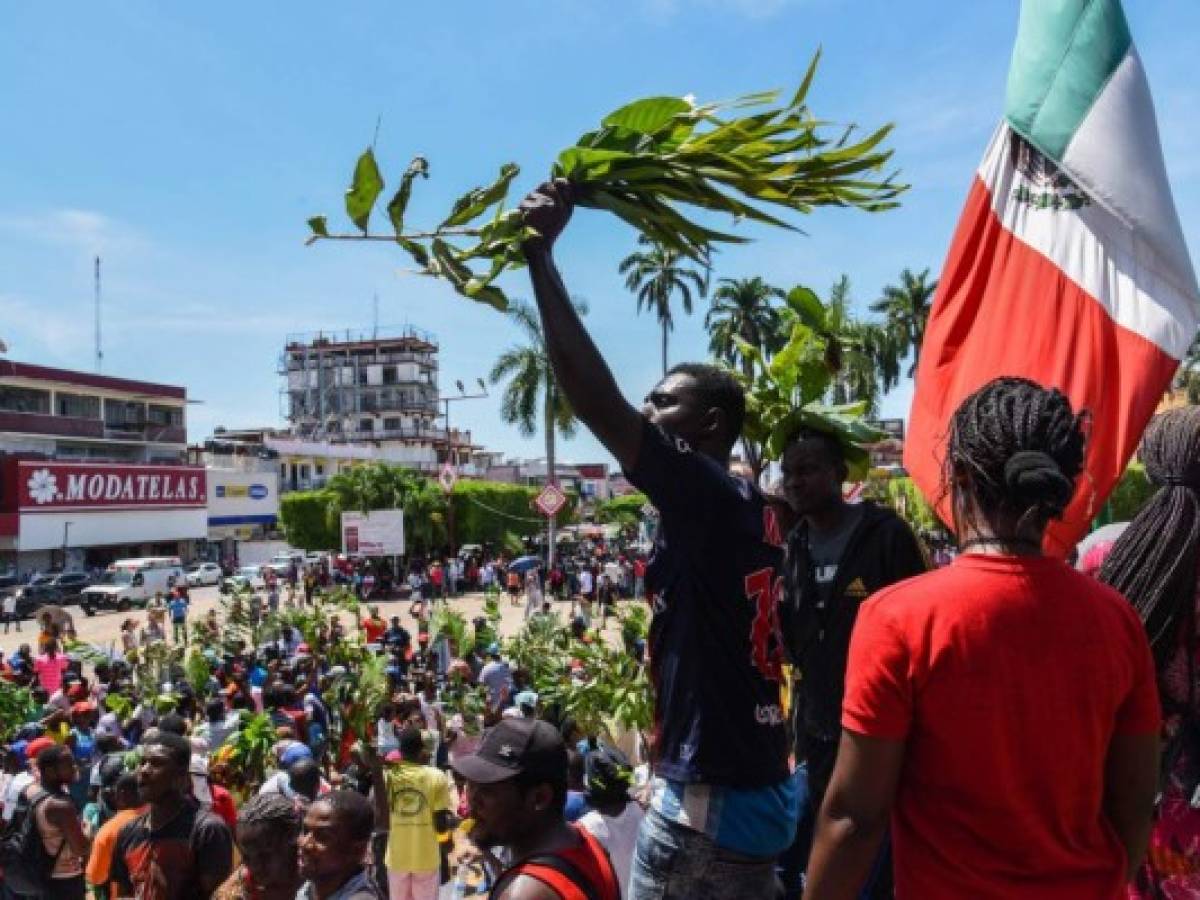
point(560, 874)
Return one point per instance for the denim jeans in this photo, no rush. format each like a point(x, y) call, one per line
point(672, 862)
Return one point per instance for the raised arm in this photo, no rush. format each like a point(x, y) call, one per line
point(581, 372)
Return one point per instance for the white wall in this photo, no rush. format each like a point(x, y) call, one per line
point(44, 531)
point(237, 500)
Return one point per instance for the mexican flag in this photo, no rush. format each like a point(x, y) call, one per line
point(1069, 266)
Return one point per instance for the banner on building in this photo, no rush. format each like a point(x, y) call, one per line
point(45, 486)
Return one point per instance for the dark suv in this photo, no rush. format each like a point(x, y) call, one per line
point(32, 597)
point(70, 584)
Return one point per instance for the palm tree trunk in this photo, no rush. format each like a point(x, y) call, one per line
point(551, 475)
point(664, 347)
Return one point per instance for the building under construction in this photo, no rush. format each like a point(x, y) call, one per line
point(379, 387)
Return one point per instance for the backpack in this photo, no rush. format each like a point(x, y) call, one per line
point(23, 856)
point(563, 876)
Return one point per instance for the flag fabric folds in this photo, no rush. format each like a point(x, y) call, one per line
point(1069, 265)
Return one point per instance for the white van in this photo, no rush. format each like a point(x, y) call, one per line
point(131, 582)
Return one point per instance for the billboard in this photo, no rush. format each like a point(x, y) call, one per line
point(377, 533)
point(242, 498)
point(45, 486)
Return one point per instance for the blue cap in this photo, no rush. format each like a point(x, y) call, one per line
point(18, 747)
point(493, 650)
point(293, 754)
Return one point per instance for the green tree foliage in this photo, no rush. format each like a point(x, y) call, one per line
point(656, 274)
point(1132, 492)
point(906, 499)
point(624, 511)
point(744, 311)
point(905, 308)
point(304, 516)
point(382, 486)
point(490, 512)
point(531, 397)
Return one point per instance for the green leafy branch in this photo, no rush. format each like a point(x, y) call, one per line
point(650, 163)
point(786, 394)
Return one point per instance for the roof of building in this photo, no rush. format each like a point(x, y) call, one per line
point(151, 390)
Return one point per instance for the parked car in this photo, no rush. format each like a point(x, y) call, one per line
point(31, 597)
point(70, 585)
point(131, 582)
point(245, 578)
point(200, 574)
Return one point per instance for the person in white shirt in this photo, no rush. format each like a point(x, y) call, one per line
point(614, 817)
point(9, 610)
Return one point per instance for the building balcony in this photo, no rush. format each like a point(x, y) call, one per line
point(58, 426)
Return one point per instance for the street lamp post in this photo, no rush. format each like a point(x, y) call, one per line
point(451, 451)
point(66, 541)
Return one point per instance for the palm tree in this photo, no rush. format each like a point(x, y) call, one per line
point(742, 310)
point(905, 308)
point(532, 397)
point(655, 274)
point(379, 485)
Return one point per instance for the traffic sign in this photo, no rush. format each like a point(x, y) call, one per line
point(448, 478)
point(550, 500)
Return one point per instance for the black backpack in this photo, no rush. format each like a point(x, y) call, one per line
point(23, 856)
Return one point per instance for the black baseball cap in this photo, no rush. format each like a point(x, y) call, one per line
point(515, 747)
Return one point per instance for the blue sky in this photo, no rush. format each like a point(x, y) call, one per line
point(188, 143)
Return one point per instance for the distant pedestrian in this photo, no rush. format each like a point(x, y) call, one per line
point(8, 611)
point(178, 608)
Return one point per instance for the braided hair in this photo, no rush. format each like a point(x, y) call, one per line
point(1154, 562)
point(1020, 448)
point(272, 809)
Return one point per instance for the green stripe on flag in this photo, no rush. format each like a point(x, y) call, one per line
point(1066, 51)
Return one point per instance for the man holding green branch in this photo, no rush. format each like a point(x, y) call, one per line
point(723, 804)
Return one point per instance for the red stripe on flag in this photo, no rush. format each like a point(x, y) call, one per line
point(1004, 309)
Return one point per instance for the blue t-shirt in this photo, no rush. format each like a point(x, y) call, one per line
point(178, 608)
point(715, 645)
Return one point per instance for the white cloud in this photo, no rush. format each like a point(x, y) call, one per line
point(82, 229)
point(31, 331)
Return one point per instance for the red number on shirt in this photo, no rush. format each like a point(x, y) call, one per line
point(763, 589)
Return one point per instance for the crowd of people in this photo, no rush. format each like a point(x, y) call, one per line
point(835, 715)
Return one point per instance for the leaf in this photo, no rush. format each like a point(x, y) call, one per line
point(399, 202)
point(364, 190)
point(319, 226)
point(648, 115)
point(801, 94)
point(473, 203)
point(807, 306)
point(419, 254)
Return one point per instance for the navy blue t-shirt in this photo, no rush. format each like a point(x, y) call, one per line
point(715, 648)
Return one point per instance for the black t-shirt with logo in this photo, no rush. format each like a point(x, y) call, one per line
point(715, 648)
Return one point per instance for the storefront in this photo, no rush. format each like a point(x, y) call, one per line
point(84, 515)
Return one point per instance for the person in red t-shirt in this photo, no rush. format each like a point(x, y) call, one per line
point(1002, 710)
point(374, 626)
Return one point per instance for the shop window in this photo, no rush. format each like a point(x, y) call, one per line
point(24, 400)
point(391, 425)
point(366, 425)
point(166, 416)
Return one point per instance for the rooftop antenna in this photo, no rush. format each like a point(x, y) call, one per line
point(375, 316)
point(99, 352)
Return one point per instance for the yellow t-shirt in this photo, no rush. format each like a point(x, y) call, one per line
point(415, 794)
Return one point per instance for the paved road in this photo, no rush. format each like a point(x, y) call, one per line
point(103, 629)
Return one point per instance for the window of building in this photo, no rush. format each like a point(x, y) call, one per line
point(391, 425)
point(122, 414)
point(166, 416)
point(389, 375)
point(362, 376)
point(366, 425)
point(303, 473)
point(320, 469)
point(24, 400)
point(77, 406)
point(283, 471)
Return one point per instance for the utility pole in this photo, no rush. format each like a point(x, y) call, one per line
point(451, 452)
point(99, 352)
point(66, 542)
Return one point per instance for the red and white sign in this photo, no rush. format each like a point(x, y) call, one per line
point(448, 478)
point(550, 500)
point(54, 486)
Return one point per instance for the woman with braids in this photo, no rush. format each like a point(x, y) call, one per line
point(1001, 711)
point(1154, 564)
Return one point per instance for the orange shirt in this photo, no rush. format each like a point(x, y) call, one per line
point(374, 629)
point(100, 862)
